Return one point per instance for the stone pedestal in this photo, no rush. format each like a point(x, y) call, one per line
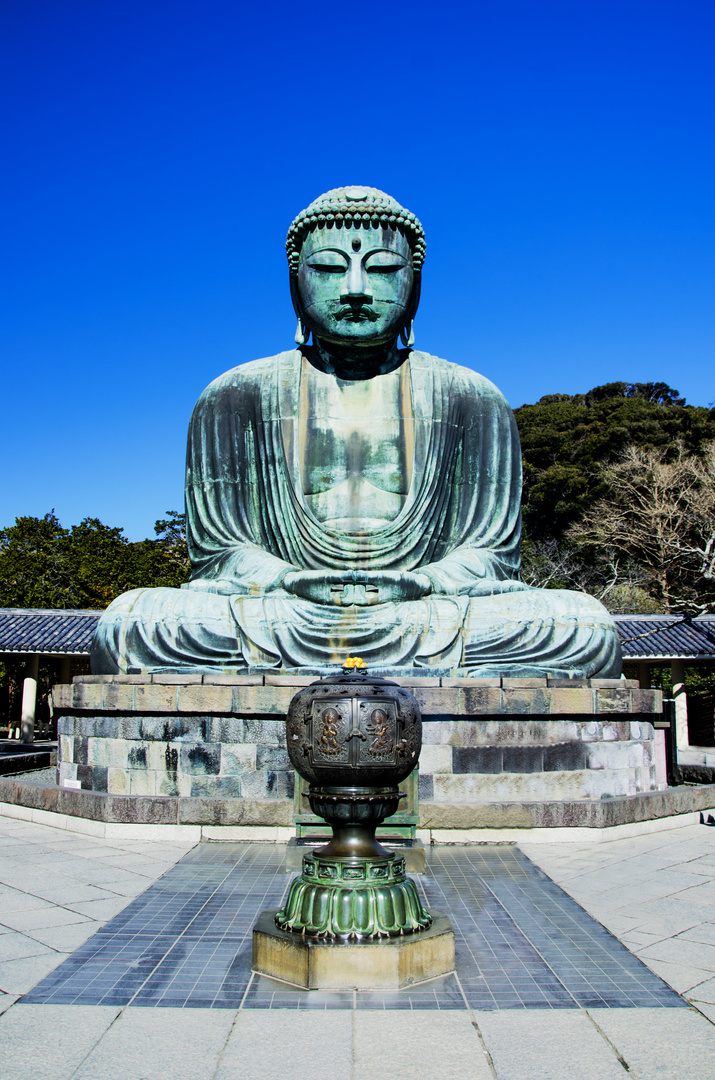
point(510, 753)
point(388, 964)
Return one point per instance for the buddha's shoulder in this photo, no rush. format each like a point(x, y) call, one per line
point(248, 378)
point(462, 380)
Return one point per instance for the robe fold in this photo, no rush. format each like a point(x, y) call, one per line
point(248, 524)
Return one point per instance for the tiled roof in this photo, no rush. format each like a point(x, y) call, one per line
point(40, 630)
point(665, 636)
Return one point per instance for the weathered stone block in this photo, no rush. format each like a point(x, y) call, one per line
point(272, 758)
point(155, 699)
point(574, 683)
point(435, 732)
point(569, 700)
point(441, 702)
point(265, 732)
point(436, 758)
point(129, 727)
point(523, 683)
point(634, 757)
point(167, 784)
point(115, 696)
point(606, 755)
point(79, 754)
point(425, 787)
point(176, 680)
point(156, 755)
point(645, 778)
point(477, 759)
point(226, 729)
point(105, 727)
point(201, 758)
point(267, 785)
point(66, 770)
point(289, 680)
point(136, 758)
point(62, 696)
point(647, 701)
point(524, 701)
point(142, 782)
point(85, 775)
point(267, 700)
point(215, 787)
point(480, 700)
point(522, 759)
point(205, 699)
point(473, 683)
point(563, 757)
point(208, 811)
point(117, 781)
point(86, 696)
point(415, 681)
point(237, 759)
point(99, 778)
point(232, 680)
point(96, 751)
point(610, 701)
point(168, 728)
point(254, 785)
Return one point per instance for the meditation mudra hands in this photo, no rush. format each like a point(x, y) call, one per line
point(356, 587)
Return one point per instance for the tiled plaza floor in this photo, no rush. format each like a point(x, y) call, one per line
point(543, 990)
point(521, 942)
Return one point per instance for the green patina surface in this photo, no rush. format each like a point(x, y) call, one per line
point(353, 899)
point(353, 496)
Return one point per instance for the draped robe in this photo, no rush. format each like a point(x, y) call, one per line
point(248, 524)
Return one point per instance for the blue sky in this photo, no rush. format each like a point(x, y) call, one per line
point(560, 156)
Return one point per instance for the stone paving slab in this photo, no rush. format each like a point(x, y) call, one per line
point(292, 1046)
point(138, 1044)
point(652, 892)
point(59, 1042)
point(184, 1045)
point(532, 1046)
point(57, 888)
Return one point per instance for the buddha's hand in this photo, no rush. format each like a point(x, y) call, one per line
point(360, 588)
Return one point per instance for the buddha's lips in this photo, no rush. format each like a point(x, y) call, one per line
point(356, 314)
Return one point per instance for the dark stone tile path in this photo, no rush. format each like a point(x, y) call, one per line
point(522, 943)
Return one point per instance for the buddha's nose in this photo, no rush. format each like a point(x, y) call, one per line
point(356, 285)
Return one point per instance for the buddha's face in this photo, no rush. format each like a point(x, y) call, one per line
point(355, 285)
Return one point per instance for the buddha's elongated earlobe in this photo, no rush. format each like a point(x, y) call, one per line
point(407, 334)
point(302, 333)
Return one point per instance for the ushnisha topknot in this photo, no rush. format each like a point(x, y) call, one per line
point(359, 206)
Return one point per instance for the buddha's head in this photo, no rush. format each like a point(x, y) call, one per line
point(355, 259)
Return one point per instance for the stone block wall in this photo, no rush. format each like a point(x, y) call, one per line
point(187, 756)
point(536, 760)
point(220, 740)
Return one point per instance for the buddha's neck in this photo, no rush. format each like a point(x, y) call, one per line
point(352, 363)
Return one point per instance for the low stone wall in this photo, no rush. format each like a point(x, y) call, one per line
point(217, 744)
point(535, 760)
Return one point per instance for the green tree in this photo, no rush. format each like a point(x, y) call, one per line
point(43, 564)
point(568, 440)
